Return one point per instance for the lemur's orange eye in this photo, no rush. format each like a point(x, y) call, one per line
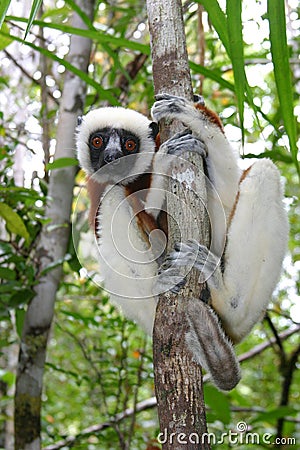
point(130, 145)
point(97, 142)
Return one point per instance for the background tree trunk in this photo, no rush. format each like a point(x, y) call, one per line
point(178, 379)
point(51, 250)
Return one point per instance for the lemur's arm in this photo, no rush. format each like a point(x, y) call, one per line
point(221, 161)
point(255, 241)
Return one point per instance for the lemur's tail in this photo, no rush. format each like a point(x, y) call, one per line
point(210, 346)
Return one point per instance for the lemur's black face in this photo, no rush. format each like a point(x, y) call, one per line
point(110, 144)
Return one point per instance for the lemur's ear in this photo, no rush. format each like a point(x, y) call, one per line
point(154, 129)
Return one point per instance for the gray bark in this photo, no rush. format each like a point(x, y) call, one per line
point(51, 249)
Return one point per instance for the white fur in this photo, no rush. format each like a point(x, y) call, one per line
point(256, 244)
point(126, 261)
point(224, 175)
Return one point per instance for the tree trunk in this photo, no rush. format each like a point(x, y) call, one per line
point(178, 379)
point(50, 250)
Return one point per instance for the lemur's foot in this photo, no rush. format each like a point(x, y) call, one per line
point(193, 254)
point(168, 279)
point(183, 142)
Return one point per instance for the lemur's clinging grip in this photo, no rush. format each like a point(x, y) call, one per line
point(127, 200)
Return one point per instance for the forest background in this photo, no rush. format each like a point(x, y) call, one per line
point(98, 384)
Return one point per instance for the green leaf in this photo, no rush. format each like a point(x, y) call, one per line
point(34, 9)
point(5, 41)
point(275, 155)
point(212, 74)
point(17, 193)
point(20, 317)
point(54, 265)
point(275, 414)
point(8, 288)
point(282, 71)
point(85, 19)
point(236, 53)
point(229, 30)
point(8, 377)
point(80, 317)
point(56, 14)
point(4, 4)
point(62, 162)
point(95, 35)
point(13, 221)
point(7, 274)
point(218, 402)
point(21, 297)
point(61, 370)
point(74, 263)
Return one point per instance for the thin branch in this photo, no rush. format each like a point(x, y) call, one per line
point(132, 69)
point(286, 386)
point(259, 410)
point(201, 44)
point(124, 81)
point(44, 100)
point(277, 340)
point(261, 347)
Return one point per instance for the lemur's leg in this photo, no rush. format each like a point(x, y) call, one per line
point(221, 160)
point(256, 244)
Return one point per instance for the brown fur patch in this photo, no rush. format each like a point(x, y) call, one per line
point(157, 142)
point(145, 221)
point(210, 115)
point(244, 174)
point(95, 191)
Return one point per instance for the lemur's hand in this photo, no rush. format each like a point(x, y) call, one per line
point(183, 142)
